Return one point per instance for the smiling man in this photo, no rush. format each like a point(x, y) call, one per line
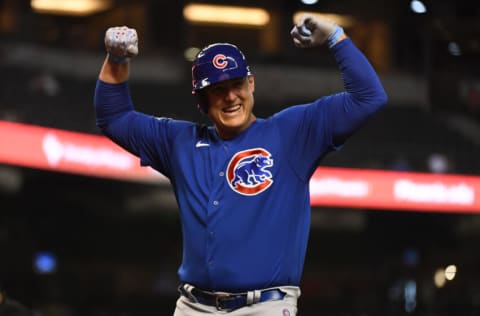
point(224, 87)
point(241, 183)
point(229, 103)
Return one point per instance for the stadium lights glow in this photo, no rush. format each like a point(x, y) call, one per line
point(70, 7)
point(450, 272)
point(418, 7)
point(309, 2)
point(439, 278)
point(454, 49)
point(343, 20)
point(190, 53)
point(443, 275)
point(217, 14)
point(45, 262)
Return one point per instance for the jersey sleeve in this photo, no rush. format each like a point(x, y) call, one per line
point(312, 130)
point(364, 94)
point(145, 136)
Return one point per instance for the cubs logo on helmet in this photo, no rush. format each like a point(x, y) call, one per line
point(219, 61)
point(247, 171)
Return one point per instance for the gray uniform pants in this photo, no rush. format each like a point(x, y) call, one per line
point(286, 307)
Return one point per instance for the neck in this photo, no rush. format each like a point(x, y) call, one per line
point(226, 133)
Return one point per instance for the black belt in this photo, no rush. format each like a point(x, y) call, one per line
point(230, 301)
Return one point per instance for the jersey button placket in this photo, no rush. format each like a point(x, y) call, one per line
point(211, 239)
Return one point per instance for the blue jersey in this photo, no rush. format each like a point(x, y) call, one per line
point(244, 203)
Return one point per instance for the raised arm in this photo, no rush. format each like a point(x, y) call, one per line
point(364, 93)
point(115, 114)
point(112, 95)
point(143, 135)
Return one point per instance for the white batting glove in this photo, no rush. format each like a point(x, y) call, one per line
point(121, 43)
point(311, 31)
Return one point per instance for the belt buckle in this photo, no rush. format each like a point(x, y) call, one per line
point(218, 300)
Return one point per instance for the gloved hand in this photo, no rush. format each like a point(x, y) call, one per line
point(121, 43)
point(311, 31)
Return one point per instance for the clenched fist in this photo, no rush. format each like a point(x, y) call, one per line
point(311, 31)
point(121, 43)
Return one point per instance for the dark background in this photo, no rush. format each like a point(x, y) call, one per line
point(118, 245)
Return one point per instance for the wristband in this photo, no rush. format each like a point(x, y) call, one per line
point(335, 36)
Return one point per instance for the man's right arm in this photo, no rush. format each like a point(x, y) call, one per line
point(142, 135)
point(114, 110)
point(112, 95)
point(114, 73)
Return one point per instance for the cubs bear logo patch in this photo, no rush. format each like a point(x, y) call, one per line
point(247, 171)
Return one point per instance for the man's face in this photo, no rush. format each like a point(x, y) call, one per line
point(230, 105)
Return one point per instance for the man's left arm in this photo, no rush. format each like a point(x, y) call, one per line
point(364, 93)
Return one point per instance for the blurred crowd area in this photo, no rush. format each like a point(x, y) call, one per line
point(428, 64)
point(74, 248)
point(73, 245)
point(401, 137)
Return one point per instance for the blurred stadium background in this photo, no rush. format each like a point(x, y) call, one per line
point(79, 238)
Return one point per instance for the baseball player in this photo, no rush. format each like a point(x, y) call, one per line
point(241, 183)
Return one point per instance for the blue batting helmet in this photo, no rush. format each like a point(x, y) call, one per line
point(218, 62)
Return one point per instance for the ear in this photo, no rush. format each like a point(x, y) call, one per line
point(251, 83)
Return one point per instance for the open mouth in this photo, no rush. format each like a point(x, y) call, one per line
point(232, 109)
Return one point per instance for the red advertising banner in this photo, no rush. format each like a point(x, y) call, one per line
point(58, 150)
point(92, 155)
point(361, 188)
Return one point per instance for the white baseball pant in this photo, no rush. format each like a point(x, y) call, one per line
point(285, 307)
